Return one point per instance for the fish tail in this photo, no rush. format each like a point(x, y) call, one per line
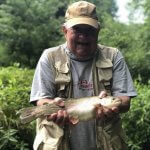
point(27, 115)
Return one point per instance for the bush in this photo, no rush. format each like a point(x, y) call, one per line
point(15, 84)
point(137, 121)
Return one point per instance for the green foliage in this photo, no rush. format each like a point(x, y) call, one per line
point(138, 56)
point(105, 9)
point(15, 85)
point(116, 34)
point(137, 121)
point(28, 27)
point(4, 57)
point(130, 40)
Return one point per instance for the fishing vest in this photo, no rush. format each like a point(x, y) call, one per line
point(109, 133)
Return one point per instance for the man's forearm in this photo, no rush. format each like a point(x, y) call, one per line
point(43, 101)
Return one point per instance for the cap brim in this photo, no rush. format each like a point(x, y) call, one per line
point(75, 21)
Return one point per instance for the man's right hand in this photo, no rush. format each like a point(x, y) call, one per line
point(61, 117)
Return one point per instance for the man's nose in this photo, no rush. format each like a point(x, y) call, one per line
point(83, 33)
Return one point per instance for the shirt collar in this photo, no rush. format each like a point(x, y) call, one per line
point(74, 57)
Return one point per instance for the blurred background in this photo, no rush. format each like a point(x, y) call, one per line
point(27, 27)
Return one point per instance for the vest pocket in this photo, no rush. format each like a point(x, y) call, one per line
point(110, 136)
point(62, 82)
point(105, 74)
point(49, 135)
point(62, 78)
point(118, 143)
point(105, 78)
point(62, 74)
point(44, 146)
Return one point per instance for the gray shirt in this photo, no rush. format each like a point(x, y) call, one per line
point(83, 134)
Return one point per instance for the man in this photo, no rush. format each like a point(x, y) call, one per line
point(81, 68)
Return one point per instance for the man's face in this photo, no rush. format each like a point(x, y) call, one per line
point(81, 40)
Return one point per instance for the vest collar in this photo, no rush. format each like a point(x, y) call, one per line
point(102, 61)
point(74, 57)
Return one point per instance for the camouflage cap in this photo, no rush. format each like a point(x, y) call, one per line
point(81, 12)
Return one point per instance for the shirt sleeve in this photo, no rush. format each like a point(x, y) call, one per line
point(43, 81)
point(122, 84)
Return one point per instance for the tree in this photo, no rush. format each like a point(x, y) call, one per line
point(2, 1)
point(27, 27)
point(139, 56)
point(105, 9)
point(132, 40)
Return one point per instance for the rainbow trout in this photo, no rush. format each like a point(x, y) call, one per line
point(81, 109)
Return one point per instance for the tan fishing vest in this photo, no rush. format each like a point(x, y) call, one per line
point(109, 132)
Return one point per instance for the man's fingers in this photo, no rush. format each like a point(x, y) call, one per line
point(59, 101)
point(61, 117)
point(65, 115)
point(52, 117)
point(110, 112)
point(102, 94)
point(99, 113)
point(115, 109)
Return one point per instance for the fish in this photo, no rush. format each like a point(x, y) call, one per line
point(78, 109)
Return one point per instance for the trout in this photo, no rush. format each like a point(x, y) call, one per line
point(80, 109)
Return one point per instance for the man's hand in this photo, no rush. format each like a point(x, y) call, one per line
point(110, 112)
point(61, 117)
point(103, 111)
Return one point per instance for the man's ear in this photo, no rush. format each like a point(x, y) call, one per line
point(64, 29)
